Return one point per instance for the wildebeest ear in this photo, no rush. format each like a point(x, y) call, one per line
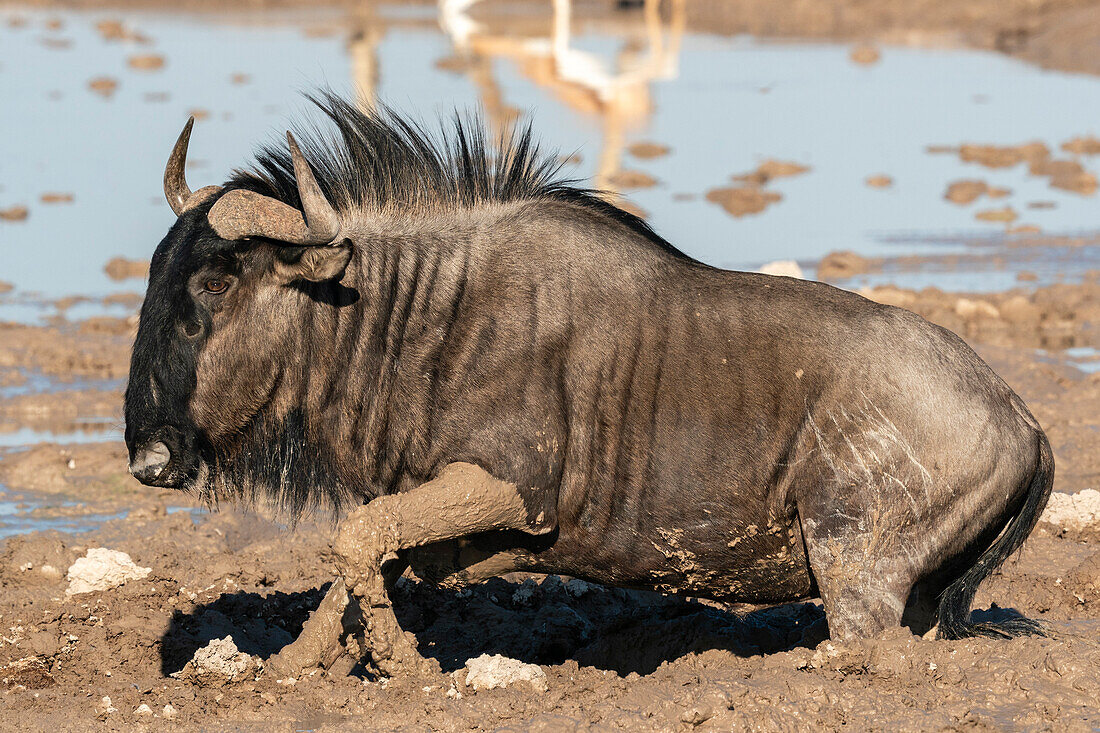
point(316, 264)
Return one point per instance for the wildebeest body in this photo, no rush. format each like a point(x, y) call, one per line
point(668, 425)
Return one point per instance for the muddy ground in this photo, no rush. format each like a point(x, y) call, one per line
point(612, 658)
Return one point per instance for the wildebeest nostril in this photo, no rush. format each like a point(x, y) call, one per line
point(149, 462)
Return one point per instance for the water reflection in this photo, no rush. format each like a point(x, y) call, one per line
point(593, 79)
point(615, 89)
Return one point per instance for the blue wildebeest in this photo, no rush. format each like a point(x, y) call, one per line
point(485, 369)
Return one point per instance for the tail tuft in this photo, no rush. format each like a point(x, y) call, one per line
point(954, 608)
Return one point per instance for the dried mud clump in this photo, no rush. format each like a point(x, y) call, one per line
point(14, 213)
point(1076, 512)
point(968, 191)
point(102, 569)
point(1006, 215)
point(744, 200)
point(120, 268)
point(116, 30)
point(770, 170)
point(490, 671)
point(1003, 156)
point(845, 264)
point(219, 661)
point(646, 150)
point(104, 86)
point(1087, 145)
point(880, 180)
point(632, 179)
point(30, 673)
point(146, 62)
point(54, 197)
point(864, 55)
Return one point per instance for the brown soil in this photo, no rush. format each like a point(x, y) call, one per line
point(146, 62)
point(744, 200)
point(647, 150)
point(879, 181)
point(840, 265)
point(769, 170)
point(864, 55)
point(1006, 214)
point(1082, 146)
point(120, 268)
point(1003, 156)
point(56, 198)
point(14, 213)
point(103, 86)
point(632, 179)
point(969, 191)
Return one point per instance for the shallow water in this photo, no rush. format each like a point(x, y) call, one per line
point(18, 515)
point(722, 104)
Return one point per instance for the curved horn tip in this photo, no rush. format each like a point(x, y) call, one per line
point(175, 180)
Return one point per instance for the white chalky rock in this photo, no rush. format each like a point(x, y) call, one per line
point(219, 658)
point(143, 709)
point(788, 268)
point(525, 594)
point(102, 569)
point(488, 672)
point(577, 587)
point(1073, 511)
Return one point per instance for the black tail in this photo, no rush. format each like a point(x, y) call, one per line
point(954, 610)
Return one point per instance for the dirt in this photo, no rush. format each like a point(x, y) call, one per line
point(647, 150)
point(1004, 214)
point(632, 179)
point(120, 268)
point(53, 197)
point(880, 180)
point(968, 191)
point(1087, 145)
point(104, 86)
point(865, 55)
point(1003, 156)
point(14, 213)
point(845, 264)
point(743, 200)
point(146, 62)
point(770, 170)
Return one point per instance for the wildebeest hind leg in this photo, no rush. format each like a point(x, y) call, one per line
point(863, 581)
point(463, 500)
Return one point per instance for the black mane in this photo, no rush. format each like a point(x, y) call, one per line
point(380, 159)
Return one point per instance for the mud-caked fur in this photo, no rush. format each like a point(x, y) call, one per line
point(669, 425)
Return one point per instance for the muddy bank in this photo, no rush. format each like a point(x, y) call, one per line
point(610, 657)
point(98, 349)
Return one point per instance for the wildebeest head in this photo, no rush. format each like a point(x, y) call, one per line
point(225, 274)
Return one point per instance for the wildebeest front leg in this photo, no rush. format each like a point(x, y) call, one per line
point(463, 500)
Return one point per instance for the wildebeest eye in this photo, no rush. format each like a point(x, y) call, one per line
point(215, 285)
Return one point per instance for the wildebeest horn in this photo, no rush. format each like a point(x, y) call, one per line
point(242, 213)
point(176, 190)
